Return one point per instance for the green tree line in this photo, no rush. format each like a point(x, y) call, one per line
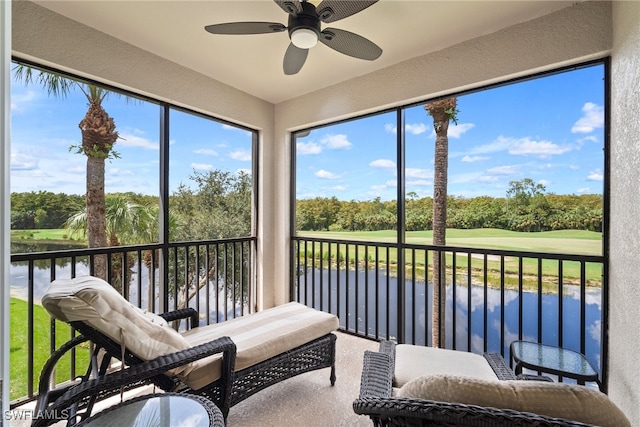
point(218, 206)
point(47, 210)
point(525, 207)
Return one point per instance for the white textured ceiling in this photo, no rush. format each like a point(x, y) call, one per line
point(253, 63)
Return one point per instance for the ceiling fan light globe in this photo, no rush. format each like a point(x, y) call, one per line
point(304, 38)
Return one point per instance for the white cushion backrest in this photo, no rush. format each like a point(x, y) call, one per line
point(93, 301)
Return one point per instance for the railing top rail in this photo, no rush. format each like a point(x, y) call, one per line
point(457, 249)
point(68, 253)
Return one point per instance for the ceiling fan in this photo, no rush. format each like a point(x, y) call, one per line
point(304, 30)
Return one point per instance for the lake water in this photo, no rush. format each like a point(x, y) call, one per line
point(419, 308)
point(367, 287)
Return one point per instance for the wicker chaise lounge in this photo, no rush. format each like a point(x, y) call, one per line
point(422, 386)
point(226, 362)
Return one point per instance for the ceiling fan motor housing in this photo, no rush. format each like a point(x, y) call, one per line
point(308, 19)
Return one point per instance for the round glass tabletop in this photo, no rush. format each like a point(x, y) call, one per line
point(159, 410)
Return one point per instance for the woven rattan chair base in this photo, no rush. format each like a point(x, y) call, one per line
point(376, 400)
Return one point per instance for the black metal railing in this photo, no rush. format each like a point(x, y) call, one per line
point(492, 297)
point(214, 277)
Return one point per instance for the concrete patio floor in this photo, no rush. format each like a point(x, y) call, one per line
point(307, 400)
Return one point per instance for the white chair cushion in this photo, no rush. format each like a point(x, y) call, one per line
point(559, 400)
point(95, 302)
point(414, 361)
point(259, 336)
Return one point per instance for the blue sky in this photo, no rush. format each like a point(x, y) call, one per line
point(43, 128)
point(548, 129)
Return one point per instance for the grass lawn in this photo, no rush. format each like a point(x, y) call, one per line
point(18, 353)
point(566, 241)
point(44, 234)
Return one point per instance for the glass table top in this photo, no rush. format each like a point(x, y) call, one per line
point(553, 358)
point(160, 410)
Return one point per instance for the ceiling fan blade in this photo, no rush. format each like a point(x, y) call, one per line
point(294, 59)
point(292, 7)
point(350, 44)
point(246, 28)
point(334, 10)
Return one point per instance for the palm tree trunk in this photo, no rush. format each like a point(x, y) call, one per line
point(439, 231)
point(441, 111)
point(96, 220)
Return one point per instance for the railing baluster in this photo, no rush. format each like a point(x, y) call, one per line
point(454, 283)
point(469, 301)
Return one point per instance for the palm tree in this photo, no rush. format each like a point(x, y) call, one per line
point(125, 223)
point(98, 138)
point(441, 111)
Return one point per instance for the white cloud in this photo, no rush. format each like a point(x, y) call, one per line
point(584, 190)
point(241, 155)
point(462, 178)
point(18, 100)
point(472, 159)
point(323, 174)
point(456, 131)
point(418, 173)
point(201, 166)
point(244, 171)
point(206, 152)
point(378, 187)
point(419, 183)
point(544, 182)
point(488, 178)
point(336, 142)
point(500, 144)
point(306, 148)
point(383, 164)
point(416, 128)
point(339, 188)
point(526, 146)
point(23, 162)
point(503, 170)
point(390, 128)
point(590, 138)
point(592, 119)
point(595, 175)
point(130, 140)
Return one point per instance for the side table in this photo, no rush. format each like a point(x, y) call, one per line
point(553, 360)
point(162, 409)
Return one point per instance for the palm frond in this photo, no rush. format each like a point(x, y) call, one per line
point(55, 84)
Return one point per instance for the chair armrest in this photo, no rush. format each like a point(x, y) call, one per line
point(147, 370)
point(529, 377)
point(499, 366)
point(377, 375)
point(185, 313)
point(418, 412)
point(44, 393)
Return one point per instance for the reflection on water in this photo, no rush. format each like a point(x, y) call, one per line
point(379, 292)
point(18, 247)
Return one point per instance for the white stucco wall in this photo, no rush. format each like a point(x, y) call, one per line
point(624, 269)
